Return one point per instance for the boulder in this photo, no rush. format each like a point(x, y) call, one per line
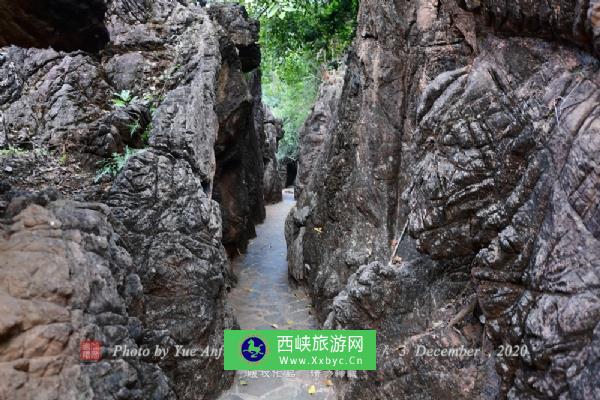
point(68, 278)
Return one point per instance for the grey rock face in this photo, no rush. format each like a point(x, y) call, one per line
point(64, 100)
point(242, 31)
point(204, 120)
point(239, 166)
point(317, 129)
point(67, 277)
point(163, 197)
point(459, 204)
point(49, 98)
point(273, 132)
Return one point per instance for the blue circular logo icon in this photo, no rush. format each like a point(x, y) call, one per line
point(253, 349)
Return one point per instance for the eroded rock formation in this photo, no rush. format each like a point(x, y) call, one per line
point(317, 129)
point(66, 277)
point(177, 85)
point(273, 132)
point(240, 168)
point(458, 199)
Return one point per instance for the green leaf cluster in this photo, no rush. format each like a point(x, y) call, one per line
point(12, 151)
point(122, 98)
point(136, 127)
point(300, 40)
point(115, 163)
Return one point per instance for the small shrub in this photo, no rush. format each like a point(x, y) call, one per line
point(123, 98)
point(11, 151)
point(146, 133)
point(133, 128)
point(115, 163)
point(62, 160)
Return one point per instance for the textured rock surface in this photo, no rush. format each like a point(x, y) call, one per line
point(316, 130)
point(63, 101)
point(50, 98)
point(239, 167)
point(460, 190)
point(273, 132)
point(163, 197)
point(203, 116)
point(64, 25)
point(66, 277)
point(572, 20)
point(242, 31)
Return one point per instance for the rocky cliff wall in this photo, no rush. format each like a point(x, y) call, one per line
point(67, 277)
point(187, 108)
point(316, 131)
point(272, 182)
point(240, 168)
point(459, 200)
point(164, 198)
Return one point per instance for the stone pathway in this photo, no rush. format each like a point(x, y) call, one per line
point(264, 299)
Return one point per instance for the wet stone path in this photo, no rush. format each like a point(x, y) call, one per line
point(263, 299)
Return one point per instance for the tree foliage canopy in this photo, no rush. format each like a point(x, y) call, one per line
point(299, 39)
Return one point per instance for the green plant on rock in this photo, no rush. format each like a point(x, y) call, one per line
point(153, 103)
point(12, 151)
point(133, 128)
point(146, 133)
point(15, 151)
point(148, 98)
point(123, 98)
point(63, 159)
point(115, 163)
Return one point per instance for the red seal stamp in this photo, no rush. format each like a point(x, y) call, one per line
point(90, 350)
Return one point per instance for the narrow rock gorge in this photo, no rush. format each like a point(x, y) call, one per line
point(447, 187)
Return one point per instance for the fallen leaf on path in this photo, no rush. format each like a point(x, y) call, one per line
point(318, 230)
point(312, 389)
point(328, 382)
point(243, 383)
